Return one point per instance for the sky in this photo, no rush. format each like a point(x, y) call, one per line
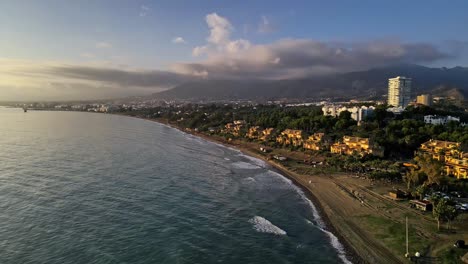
point(72, 50)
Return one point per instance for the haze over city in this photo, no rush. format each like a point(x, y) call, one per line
point(77, 50)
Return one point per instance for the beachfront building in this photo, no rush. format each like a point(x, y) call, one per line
point(253, 132)
point(234, 128)
point(358, 113)
point(291, 137)
point(266, 134)
point(399, 91)
point(451, 154)
point(257, 132)
point(439, 120)
point(357, 145)
point(313, 142)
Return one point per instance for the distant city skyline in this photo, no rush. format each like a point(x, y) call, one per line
point(72, 50)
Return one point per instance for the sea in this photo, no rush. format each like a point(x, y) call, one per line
point(80, 187)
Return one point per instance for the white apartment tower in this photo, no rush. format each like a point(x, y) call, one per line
point(399, 91)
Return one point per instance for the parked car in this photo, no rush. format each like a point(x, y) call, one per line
point(459, 244)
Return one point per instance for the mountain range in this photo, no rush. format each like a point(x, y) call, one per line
point(369, 84)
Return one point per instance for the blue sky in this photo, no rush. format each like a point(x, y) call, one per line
point(139, 35)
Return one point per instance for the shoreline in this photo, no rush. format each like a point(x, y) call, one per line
point(348, 251)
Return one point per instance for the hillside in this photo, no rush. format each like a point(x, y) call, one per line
point(364, 84)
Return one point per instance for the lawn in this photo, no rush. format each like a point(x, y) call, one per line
point(393, 234)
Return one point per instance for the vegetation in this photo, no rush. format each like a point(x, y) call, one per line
point(428, 172)
point(393, 234)
point(443, 211)
point(400, 136)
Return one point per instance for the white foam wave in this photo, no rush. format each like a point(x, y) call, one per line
point(256, 161)
point(249, 179)
point(244, 165)
point(320, 224)
point(262, 225)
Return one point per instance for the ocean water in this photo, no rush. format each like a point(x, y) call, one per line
point(95, 188)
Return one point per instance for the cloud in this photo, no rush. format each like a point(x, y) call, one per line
point(29, 80)
point(125, 78)
point(296, 58)
point(178, 40)
point(265, 26)
point(144, 10)
point(103, 45)
point(87, 55)
point(219, 39)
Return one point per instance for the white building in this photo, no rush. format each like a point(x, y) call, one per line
point(439, 120)
point(399, 91)
point(357, 113)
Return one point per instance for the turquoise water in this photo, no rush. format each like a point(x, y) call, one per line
point(95, 188)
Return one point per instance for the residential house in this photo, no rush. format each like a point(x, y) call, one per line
point(455, 160)
point(291, 137)
point(266, 134)
point(313, 142)
point(253, 132)
point(440, 149)
point(361, 146)
point(233, 128)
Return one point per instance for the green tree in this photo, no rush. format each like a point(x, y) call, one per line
point(421, 190)
point(443, 211)
point(439, 211)
point(432, 168)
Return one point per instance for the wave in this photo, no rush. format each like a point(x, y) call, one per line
point(256, 161)
point(320, 224)
point(260, 222)
point(245, 165)
point(264, 226)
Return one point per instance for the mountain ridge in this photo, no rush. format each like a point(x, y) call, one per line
point(367, 84)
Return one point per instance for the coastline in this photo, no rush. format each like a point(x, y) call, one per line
point(350, 253)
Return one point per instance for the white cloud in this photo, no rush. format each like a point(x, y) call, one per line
point(199, 51)
point(144, 10)
point(295, 58)
point(219, 40)
point(265, 25)
point(220, 29)
point(178, 40)
point(103, 45)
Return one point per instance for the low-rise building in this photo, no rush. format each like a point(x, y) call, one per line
point(439, 149)
point(313, 142)
point(291, 137)
point(257, 132)
point(253, 132)
point(358, 113)
point(234, 129)
point(266, 134)
point(451, 154)
point(358, 145)
point(457, 166)
point(439, 120)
